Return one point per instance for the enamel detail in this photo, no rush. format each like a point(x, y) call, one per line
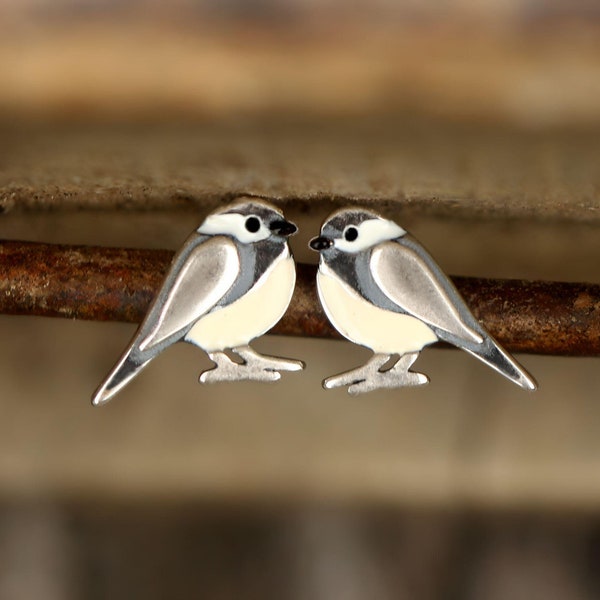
point(363, 323)
point(251, 315)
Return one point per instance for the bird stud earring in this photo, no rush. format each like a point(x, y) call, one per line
point(230, 282)
point(381, 289)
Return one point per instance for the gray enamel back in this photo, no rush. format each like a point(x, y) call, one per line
point(406, 279)
point(430, 295)
point(201, 282)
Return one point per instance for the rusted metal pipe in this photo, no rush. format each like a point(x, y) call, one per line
point(117, 284)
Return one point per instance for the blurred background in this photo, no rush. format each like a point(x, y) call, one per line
point(475, 123)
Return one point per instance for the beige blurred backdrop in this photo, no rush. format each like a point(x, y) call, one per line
point(474, 123)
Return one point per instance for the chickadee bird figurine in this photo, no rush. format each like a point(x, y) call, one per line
point(381, 289)
point(230, 282)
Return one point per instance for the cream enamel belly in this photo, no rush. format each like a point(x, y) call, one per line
point(251, 315)
point(383, 331)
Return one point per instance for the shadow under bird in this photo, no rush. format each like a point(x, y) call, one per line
point(381, 289)
point(231, 281)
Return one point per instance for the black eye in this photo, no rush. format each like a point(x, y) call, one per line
point(252, 224)
point(351, 234)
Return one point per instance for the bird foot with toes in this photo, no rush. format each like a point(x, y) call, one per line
point(254, 367)
point(373, 376)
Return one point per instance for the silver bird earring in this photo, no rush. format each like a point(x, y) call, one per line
point(381, 289)
point(231, 281)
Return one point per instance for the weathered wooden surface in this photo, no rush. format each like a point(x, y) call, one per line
point(468, 439)
point(487, 64)
point(66, 552)
point(448, 126)
point(400, 165)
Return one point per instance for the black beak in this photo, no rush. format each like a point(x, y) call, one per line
point(320, 243)
point(283, 228)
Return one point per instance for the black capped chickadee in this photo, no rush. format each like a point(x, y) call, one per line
point(230, 282)
point(381, 289)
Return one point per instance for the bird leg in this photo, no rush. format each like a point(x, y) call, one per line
point(371, 376)
point(225, 369)
point(260, 362)
point(362, 374)
point(402, 373)
point(254, 367)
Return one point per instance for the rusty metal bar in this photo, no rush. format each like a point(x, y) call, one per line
point(117, 284)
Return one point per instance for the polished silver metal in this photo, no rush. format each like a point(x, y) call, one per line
point(381, 289)
point(374, 375)
point(253, 366)
point(209, 271)
point(230, 282)
point(405, 279)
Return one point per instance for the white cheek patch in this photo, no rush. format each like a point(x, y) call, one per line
point(233, 224)
point(370, 233)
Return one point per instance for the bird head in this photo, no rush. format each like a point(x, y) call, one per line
point(352, 230)
point(249, 221)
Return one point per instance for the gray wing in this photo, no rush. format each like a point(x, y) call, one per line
point(409, 277)
point(199, 282)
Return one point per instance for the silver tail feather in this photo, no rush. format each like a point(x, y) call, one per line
point(121, 374)
point(492, 354)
